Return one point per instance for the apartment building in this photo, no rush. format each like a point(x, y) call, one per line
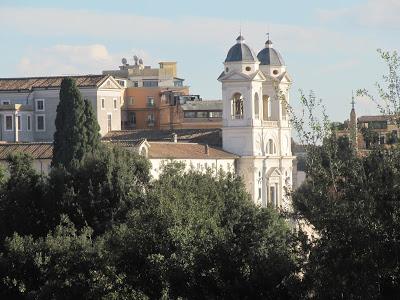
point(28, 106)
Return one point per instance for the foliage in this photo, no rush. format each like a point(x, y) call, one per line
point(24, 205)
point(388, 92)
point(370, 137)
point(352, 205)
point(66, 264)
point(76, 134)
point(199, 237)
point(92, 129)
point(102, 189)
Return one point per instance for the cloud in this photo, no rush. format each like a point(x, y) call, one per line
point(61, 23)
point(68, 60)
point(372, 13)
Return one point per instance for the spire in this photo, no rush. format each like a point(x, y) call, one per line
point(268, 43)
point(352, 100)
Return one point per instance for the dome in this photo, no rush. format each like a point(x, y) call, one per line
point(241, 52)
point(269, 56)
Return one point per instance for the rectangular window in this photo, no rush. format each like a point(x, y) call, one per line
point(121, 82)
point(8, 123)
point(136, 83)
point(115, 103)
point(109, 122)
point(28, 123)
point(19, 125)
point(150, 83)
point(39, 104)
point(40, 123)
point(272, 195)
point(5, 102)
point(189, 114)
point(178, 83)
point(202, 114)
point(131, 101)
point(103, 103)
point(150, 119)
point(215, 114)
point(150, 101)
point(131, 118)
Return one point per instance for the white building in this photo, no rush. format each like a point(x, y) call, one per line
point(28, 105)
point(255, 93)
point(256, 133)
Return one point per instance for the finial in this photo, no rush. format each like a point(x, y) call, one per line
point(352, 99)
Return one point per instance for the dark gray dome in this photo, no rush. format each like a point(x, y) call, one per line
point(269, 56)
point(241, 52)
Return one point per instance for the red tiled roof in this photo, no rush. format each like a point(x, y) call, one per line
point(27, 83)
point(36, 150)
point(210, 136)
point(186, 151)
point(373, 118)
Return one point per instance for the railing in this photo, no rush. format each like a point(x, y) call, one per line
point(270, 123)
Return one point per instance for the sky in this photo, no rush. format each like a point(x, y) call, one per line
point(328, 46)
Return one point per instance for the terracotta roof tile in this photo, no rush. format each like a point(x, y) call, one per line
point(186, 150)
point(26, 83)
point(210, 136)
point(373, 118)
point(36, 150)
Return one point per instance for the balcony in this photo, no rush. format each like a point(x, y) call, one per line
point(270, 123)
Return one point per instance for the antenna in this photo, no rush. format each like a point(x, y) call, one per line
point(135, 58)
point(124, 61)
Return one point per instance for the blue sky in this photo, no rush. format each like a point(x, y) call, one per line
point(329, 46)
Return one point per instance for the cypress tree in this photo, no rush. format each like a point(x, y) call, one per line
point(70, 138)
point(92, 129)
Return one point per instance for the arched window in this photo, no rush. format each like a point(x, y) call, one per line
point(266, 107)
point(256, 106)
point(271, 147)
point(237, 106)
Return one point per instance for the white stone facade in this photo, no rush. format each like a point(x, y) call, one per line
point(257, 129)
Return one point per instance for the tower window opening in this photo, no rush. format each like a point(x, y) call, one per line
point(266, 108)
point(271, 147)
point(248, 69)
point(237, 106)
point(256, 106)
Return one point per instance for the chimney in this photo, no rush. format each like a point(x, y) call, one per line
point(206, 150)
point(174, 138)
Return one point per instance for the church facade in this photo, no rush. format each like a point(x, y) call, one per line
point(255, 95)
point(254, 141)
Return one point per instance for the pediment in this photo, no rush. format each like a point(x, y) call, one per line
point(285, 77)
point(258, 76)
point(110, 83)
point(234, 76)
point(273, 172)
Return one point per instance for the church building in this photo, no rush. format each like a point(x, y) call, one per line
point(254, 141)
point(255, 94)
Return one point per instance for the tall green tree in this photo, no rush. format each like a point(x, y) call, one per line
point(351, 203)
point(24, 205)
point(66, 264)
point(102, 189)
point(71, 135)
point(201, 237)
point(92, 129)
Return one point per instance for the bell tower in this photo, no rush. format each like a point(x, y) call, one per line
point(255, 121)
